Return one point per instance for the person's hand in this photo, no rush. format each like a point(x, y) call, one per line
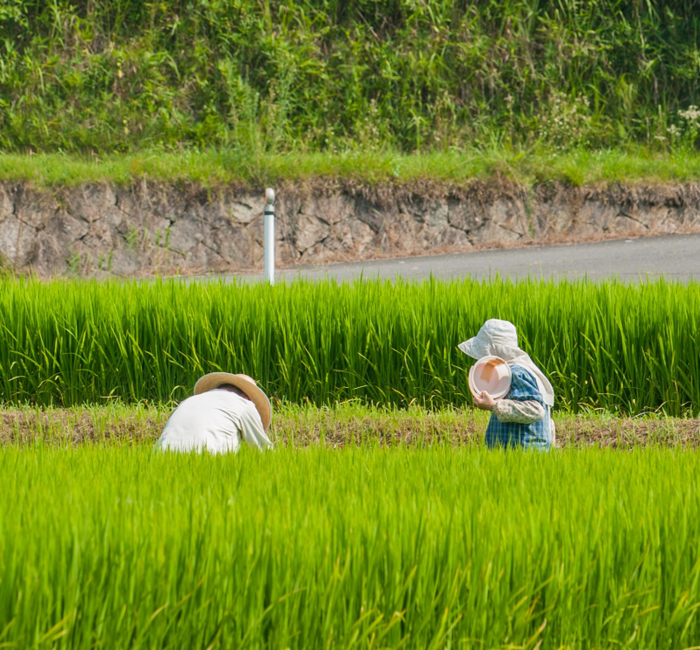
point(485, 402)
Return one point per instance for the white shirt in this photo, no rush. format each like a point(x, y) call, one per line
point(214, 421)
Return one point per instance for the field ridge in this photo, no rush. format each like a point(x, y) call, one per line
point(339, 426)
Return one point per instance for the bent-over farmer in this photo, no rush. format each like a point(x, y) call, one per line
point(223, 409)
point(523, 417)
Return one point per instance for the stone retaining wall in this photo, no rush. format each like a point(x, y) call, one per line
point(148, 228)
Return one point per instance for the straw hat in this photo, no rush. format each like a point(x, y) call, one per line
point(244, 383)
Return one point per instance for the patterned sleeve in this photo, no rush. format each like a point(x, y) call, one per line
point(508, 410)
point(523, 404)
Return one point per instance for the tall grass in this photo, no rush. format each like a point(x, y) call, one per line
point(120, 75)
point(625, 348)
point(361, 548)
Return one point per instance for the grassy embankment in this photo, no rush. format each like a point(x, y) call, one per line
point(213, 168)
point(327, 75)
point(361, 548)
point(380, 90)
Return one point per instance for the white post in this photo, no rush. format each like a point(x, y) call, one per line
point(270, 235)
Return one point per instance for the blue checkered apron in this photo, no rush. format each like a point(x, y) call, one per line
point(535, 435)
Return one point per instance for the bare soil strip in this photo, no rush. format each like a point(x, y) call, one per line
point(338, 427)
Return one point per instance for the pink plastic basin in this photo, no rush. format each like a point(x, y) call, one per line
point(490, 374)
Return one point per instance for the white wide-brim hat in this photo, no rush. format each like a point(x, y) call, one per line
point(497, 338)
point(244, 383)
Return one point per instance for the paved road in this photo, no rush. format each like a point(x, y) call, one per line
point(675, 257)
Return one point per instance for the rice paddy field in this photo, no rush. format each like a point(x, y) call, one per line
point(379, 520)
point(628, 349)
point(366, 547)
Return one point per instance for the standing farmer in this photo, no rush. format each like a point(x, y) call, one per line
point(523, 417)
point(223, 409)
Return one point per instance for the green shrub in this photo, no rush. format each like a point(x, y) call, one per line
point(120, 75)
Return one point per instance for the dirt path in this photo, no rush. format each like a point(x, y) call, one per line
point(337, 428)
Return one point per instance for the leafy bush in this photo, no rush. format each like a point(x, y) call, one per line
point(97, 76)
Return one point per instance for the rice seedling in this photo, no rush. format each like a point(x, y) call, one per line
point(364, 547)
point(623, 348)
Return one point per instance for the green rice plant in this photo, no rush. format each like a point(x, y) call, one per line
point(624, 348)
point(360, 548)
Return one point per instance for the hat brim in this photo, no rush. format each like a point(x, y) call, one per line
point(253, 392)
point(473, 348)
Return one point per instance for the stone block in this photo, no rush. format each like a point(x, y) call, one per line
point(45, 256)
point(123, 262)
point(552, 209)
point(372, 215)
point(35, 211)
point(185, 234)
point(144, 209)
point(434, 214)
point(157, 231)
point(16, 240)
point(348, 239)
point(242, 211)
point(231, 243)
point(330, 209)
point(453, 238)
point(7, 206)
point(286, 253)
point(201, 258)
point(210, 231)
point(688, 216)
point(494, 234)
point(256, 228)
point(91, 202)
point(509, 214)
point(257, 255)
point(402, 235)
point(66, 229)
point(595, 216)
point(309, 231)
point(467, 214)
